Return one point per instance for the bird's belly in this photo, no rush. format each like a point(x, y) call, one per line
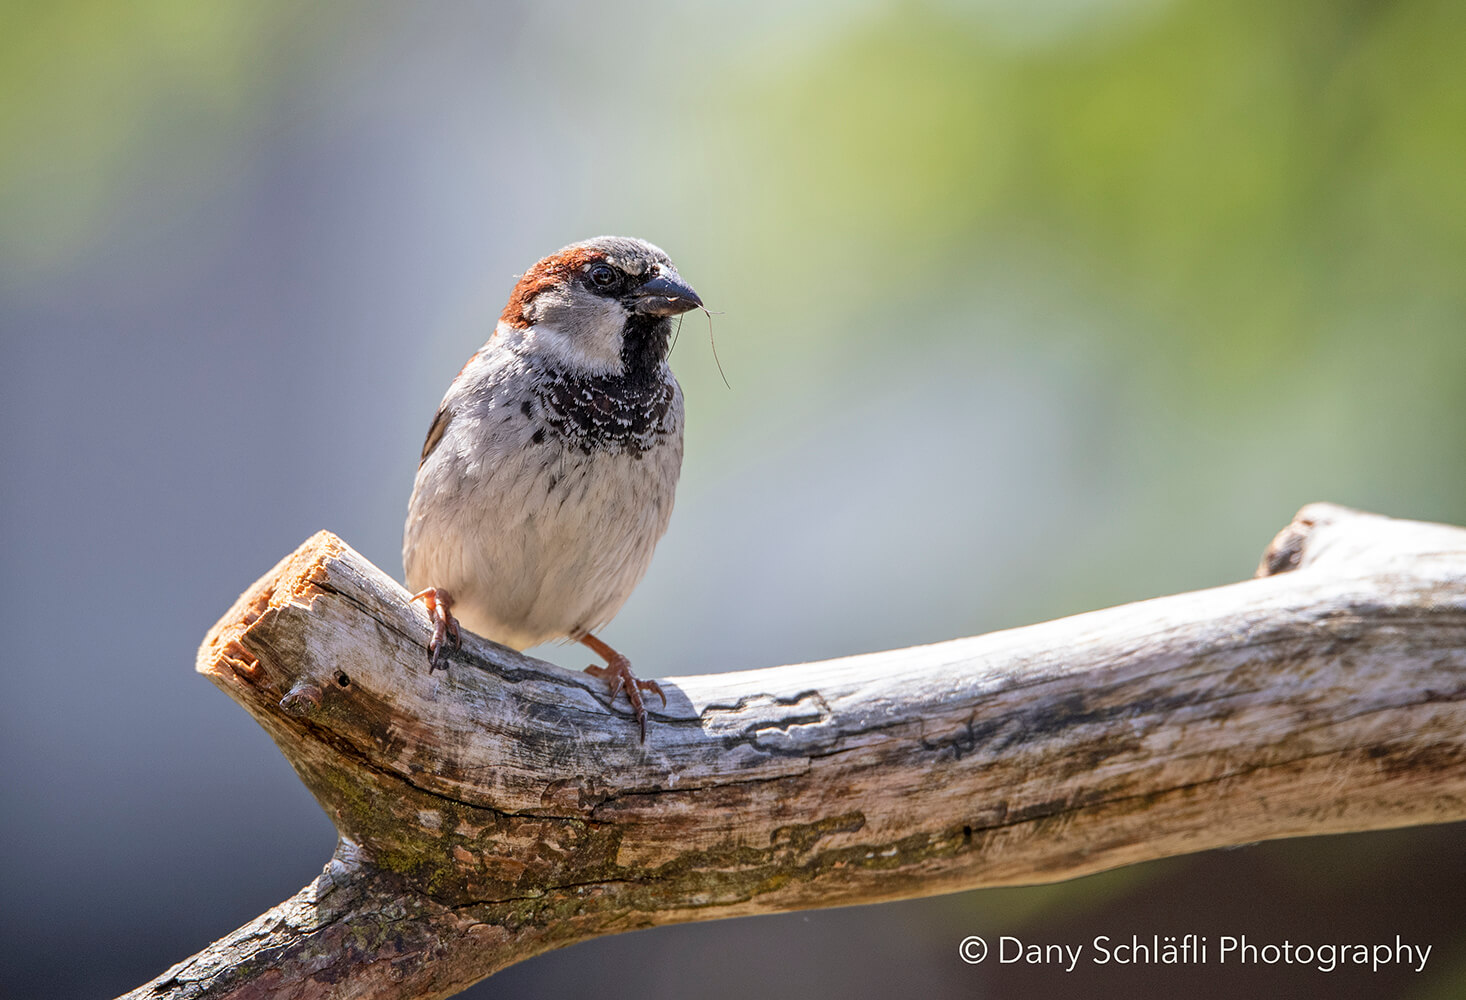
point(551, 548)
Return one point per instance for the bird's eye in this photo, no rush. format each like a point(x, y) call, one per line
point(604, 275)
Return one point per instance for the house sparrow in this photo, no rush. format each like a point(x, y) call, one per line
point(549, 471)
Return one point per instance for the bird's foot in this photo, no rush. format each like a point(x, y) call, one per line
point(617, 672)
point(445, 626)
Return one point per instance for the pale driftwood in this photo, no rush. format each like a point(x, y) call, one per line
point(499, 809)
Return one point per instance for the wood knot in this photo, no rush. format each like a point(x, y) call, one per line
point(301, 700)
point(1285, 552)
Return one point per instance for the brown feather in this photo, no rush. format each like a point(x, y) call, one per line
point(547, 273)
point(435, 434)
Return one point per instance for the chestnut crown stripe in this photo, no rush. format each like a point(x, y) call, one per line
point(547, 273)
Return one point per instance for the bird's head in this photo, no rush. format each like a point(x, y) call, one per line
point(603, 306)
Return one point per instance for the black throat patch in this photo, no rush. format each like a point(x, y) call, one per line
point(644, 345)
point(607, 412)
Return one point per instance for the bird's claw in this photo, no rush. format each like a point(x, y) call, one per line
point(445, 626)
point(618, 674)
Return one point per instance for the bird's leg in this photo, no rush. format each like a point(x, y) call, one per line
point(617, 672)
point(445, 626)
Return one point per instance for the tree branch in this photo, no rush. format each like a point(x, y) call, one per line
point(500, 808)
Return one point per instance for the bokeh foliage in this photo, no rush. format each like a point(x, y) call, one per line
point(1248, 179)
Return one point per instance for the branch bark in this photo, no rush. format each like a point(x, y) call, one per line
point(502, 808)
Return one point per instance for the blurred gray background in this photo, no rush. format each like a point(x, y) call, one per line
point(1027, 307)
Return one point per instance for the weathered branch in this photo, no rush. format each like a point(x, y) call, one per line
point(500, 808)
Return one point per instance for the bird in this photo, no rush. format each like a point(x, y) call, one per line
point(550, 468)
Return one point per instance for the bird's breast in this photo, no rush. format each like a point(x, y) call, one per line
point(540, 512)
point(609, 414)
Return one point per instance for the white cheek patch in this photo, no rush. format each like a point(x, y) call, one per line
point(581, 333)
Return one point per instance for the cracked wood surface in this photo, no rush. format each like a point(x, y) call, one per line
point(501, 808)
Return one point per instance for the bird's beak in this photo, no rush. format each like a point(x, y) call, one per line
point(665, 296)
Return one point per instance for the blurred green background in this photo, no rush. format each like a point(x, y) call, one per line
point(1026, 307)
